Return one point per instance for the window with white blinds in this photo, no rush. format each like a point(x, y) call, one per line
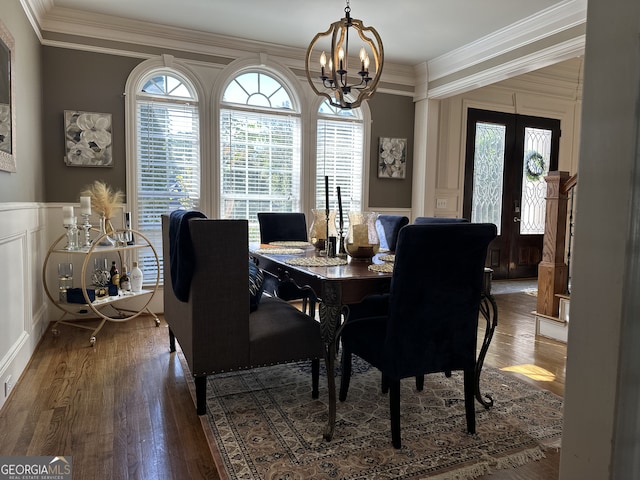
point(168, 157)
point(260, 151)
point(340, 157)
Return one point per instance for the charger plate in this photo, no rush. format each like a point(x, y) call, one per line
point(279, 251)
point(316, 261)
point(381, 267)
point(290, 243)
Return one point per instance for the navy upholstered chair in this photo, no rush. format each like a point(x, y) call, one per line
point(388, 227)
point(275, 226)
point(426, 220)
point(432, 319)
point(289, 226)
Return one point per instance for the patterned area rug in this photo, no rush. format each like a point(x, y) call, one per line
point(264, 425)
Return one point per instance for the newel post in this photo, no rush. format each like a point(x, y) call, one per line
point(552, 270)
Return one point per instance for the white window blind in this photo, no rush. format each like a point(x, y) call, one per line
point(168, 156)
point(259, 165)
point(340, 157)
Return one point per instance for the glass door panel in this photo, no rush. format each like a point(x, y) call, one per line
point(507, 157)
point(488, 174)
point(537, 154)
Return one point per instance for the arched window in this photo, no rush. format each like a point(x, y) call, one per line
point(340, 156)
point(260, 153)
point(167, 173)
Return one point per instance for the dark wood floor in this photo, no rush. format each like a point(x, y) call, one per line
point(123, 409)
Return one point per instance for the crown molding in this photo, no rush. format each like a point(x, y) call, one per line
point(122, 31)
point(545, 23)
point(508, 69)
point(67, 28)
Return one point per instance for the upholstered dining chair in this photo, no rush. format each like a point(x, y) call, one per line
point(432, 319)
point(388, 227)
point(288, 226)
point(276, 226)
point(426, 220)
point(218, 315)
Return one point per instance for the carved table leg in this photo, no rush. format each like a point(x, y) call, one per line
point(489, 311)
point(330, 311)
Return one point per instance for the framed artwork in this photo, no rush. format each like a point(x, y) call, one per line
point(87, 138)
point(392, 158)
point(7, 101)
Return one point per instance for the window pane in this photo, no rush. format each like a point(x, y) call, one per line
point(340, 157)
point(258, 90)
point(168, 156)
point(537, 154)
point(488, 168)
point(260, 165)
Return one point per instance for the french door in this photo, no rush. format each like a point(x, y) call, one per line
point(507, 158)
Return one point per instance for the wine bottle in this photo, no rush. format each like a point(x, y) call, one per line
point(115, 275)
point(135, 277)
point(125, 282)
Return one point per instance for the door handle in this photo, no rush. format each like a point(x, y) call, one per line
point(516, 219)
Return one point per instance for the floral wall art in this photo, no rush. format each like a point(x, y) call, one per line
point(392, 158)
point(88, 139)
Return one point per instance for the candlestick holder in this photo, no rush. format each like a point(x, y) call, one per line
point(327, 236)
point(72, 235)
point(341, 251)
point(86, 226)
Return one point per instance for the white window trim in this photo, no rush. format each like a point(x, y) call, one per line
point(167, 64)
point(304, 101)
point(310, 146)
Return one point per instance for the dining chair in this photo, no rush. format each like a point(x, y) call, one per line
point(219, 317)
point(276, 226)
point(388, 227)
point(285, 226)
point(426, 220)
point(432, 320)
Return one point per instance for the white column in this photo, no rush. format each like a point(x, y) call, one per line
point(425, 147)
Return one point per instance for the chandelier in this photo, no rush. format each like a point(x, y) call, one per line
point(345, 88)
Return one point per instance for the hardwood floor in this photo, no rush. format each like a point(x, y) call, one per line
point(123, 409)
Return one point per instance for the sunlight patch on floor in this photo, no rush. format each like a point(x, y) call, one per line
point(532, 371)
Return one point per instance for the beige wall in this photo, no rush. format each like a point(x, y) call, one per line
point(26, 185)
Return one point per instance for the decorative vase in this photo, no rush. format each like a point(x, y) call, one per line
point(101, 276)
point(362, 241)
point(318, 229)
point(105, 240)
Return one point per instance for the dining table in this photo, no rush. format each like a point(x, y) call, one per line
point(339, 281)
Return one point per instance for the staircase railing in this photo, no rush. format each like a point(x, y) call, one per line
point(570, 189)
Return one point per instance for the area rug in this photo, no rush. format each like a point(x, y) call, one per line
point(264, 425)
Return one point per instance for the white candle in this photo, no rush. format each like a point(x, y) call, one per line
point(85, 205)
point(67, 215)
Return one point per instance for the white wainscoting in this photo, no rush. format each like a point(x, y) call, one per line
point(27, 230)
point(23, 244)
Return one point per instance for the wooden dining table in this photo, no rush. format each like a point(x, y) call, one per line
point(338, 286)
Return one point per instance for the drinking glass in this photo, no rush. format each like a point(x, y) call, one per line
point(65, 279)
